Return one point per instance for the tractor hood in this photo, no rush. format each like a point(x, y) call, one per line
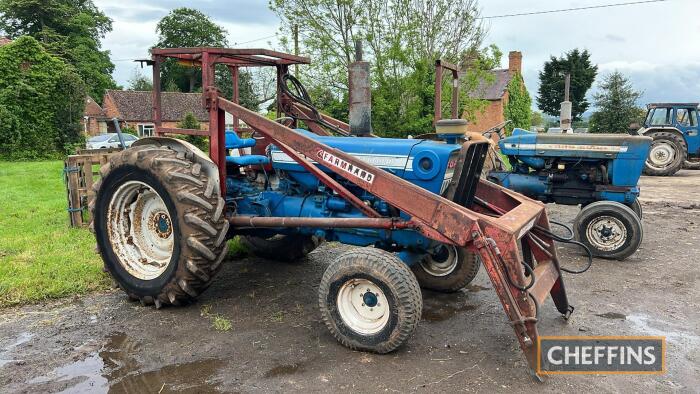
point(422, 162)
point(580, 146)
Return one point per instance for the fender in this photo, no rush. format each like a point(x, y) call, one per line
point(188, 149)
point(667, 129)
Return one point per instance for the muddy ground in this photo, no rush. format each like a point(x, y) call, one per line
point(276, 342)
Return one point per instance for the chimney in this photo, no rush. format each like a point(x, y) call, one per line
point(515, 62)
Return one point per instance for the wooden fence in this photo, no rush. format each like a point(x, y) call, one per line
point(80, 172)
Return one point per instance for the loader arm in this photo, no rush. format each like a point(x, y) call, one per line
point(487, 219)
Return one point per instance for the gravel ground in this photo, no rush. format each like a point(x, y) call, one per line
point(277, 342)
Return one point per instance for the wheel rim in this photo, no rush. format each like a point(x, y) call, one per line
point(140, 230)
point(606, 233)
point(441, 263)
point(662, 154)
point(362, 306)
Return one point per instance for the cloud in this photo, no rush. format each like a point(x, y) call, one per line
point(135, 24)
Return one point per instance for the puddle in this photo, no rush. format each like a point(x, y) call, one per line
point(115, 369)
point(285, 369)
point(443, 307)
point(613, 315)
point(642, 323)
point(5, 357)
point(476, 288)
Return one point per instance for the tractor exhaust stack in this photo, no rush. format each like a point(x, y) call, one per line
point(360, 95)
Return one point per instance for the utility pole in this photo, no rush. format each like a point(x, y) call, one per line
point(295, 33)
point(565, 113)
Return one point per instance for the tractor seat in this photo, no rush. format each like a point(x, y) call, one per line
point(233, 141)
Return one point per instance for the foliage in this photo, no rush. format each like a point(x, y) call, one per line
point(190, 122)
point(616, 105)
point(68, 29)
point(41, 102)
point(187, 27)
point(402, 40)
point(40, 257)
point(537, 119)
point(140, 82)
point(551, 92)
point(518, 108)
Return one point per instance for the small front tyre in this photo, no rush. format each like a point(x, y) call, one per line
point(609, 229)
point(370, 300)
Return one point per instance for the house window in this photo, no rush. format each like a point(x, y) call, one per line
point(146, 130)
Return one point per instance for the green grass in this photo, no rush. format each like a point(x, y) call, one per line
point(41, 257)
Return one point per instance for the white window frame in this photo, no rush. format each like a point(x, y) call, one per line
point(146, 129)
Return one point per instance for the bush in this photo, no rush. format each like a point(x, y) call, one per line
point(41, 102)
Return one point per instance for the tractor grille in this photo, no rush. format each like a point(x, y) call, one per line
point(466, 177)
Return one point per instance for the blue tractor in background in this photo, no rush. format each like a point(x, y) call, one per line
point(676, 141)
point(597, 171)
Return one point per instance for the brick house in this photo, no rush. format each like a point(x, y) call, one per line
point(4, 41)
point(94, 119)
point(135, 109)
point(496, 94)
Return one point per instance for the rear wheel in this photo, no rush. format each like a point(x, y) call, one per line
point(281, 247)
point(609, 229)
point(448, 269)
point(159, 223)
point(370, 300)
point(666, 155)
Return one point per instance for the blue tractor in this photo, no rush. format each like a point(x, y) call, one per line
point(416, 208)
point(676, 138)
point(597, 171)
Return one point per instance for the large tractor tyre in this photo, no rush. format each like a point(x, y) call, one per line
point(159, 223)
point(609, 229)
point(666, 155)
point(370, 300)
point(691, 164)
point(447, 270)
point(287, 248)
point(636, 206)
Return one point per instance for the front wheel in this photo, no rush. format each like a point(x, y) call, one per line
point(609, 229)
point(636, 206)
point(692, 164)
point(159, 223)
point(666, 155)
point(370, 300)
point(448, 269)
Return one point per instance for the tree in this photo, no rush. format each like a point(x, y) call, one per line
point(41, 102)
point(140, 82)
point(518, 108)
point(551, 92)
point(402, 39)
point(190, 122)
point(537, 119)
point(616, 105)
point(68, 29)
point(187, 27)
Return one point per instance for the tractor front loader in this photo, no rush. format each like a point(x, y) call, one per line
point(418, 209)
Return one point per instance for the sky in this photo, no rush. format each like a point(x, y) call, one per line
point(653, 44)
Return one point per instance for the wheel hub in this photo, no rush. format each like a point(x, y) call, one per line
point(140, 230)
point(363, 306)
point(606, 233)
point(662, 154)
point(441, 262)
